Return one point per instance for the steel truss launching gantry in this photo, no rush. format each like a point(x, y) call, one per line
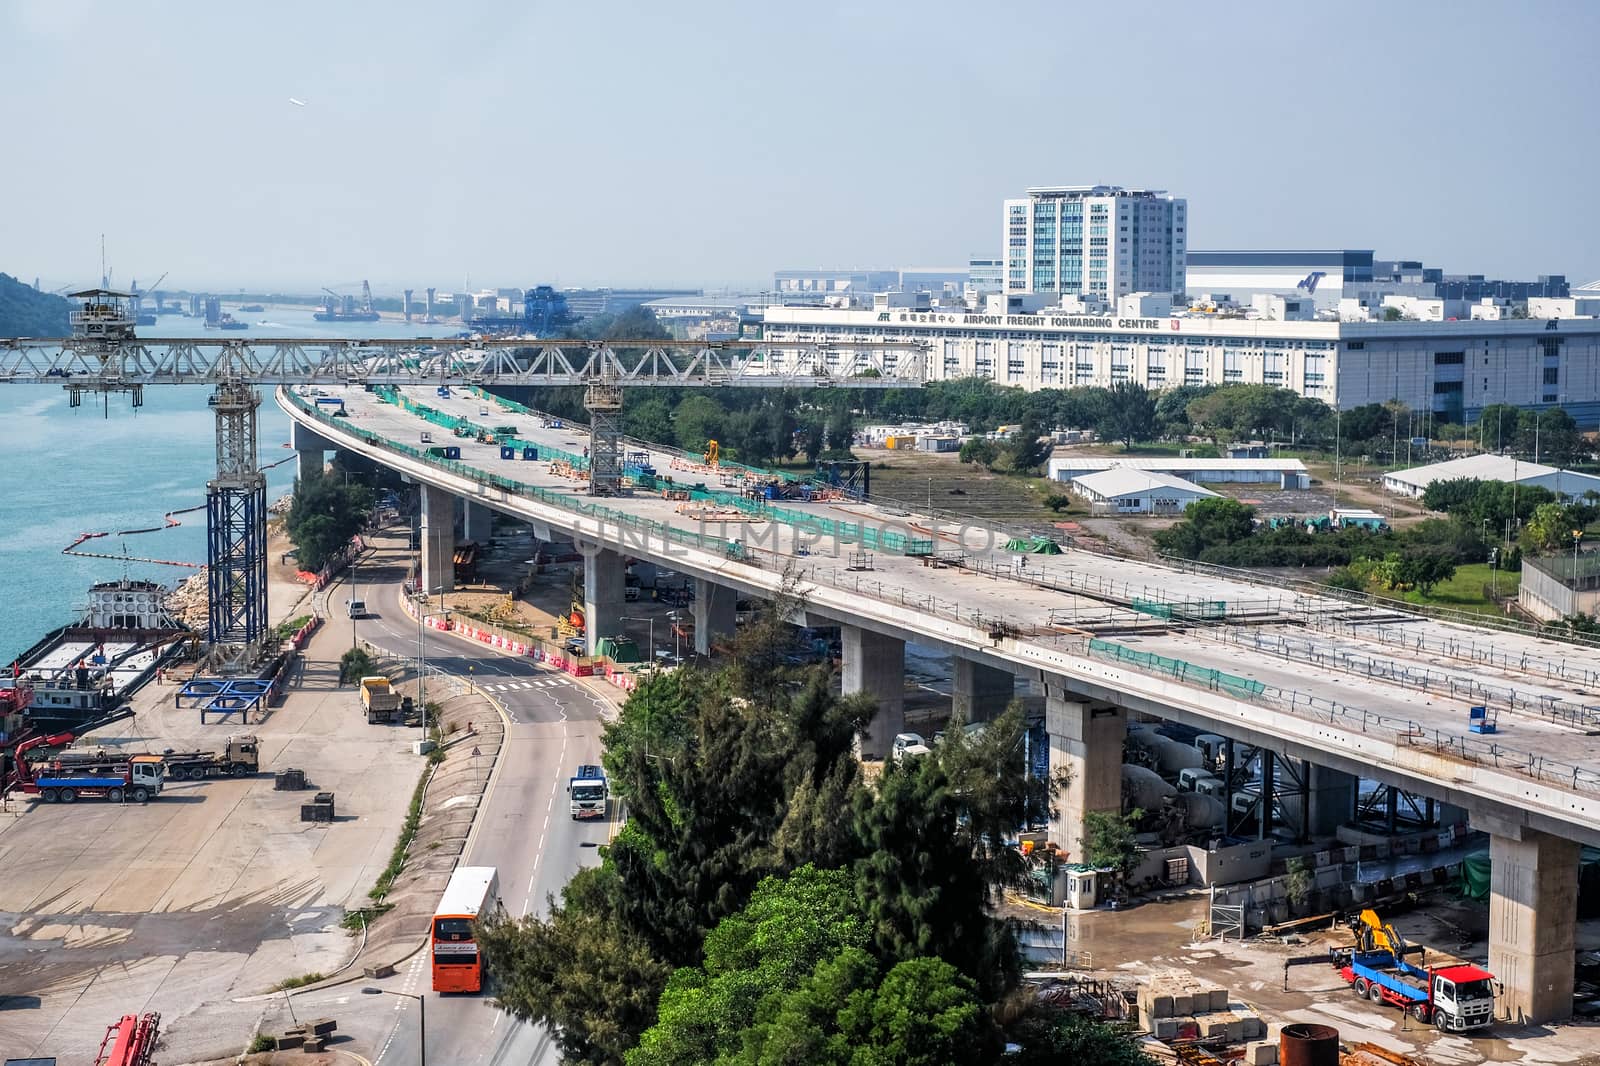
point(104, 357)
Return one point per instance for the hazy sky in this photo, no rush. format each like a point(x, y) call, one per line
point(709, 143)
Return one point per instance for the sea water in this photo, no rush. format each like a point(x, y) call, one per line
point(110, 467)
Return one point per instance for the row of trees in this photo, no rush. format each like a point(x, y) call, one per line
point(1543, 523)
point(765, 905)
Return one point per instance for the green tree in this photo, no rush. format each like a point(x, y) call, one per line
point(1549, 529)
point(580, 973)
point(924, 1013)
point(789, 926)
point(650, 419)
point(1206, 524)
point(980, 451)
point(1550, 437)
point(1049, 1036)
point(324, 514)
point(1424, 568)
point(923, 893)
point(699, 418)
point(1110, 840)
point(1026, 451)
point(1497, 426)
point(841, 426)
point(1130, 414)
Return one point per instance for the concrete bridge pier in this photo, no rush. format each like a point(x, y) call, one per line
point(477, 522)
point(604, 578)
point(979, 693)
point(1331, 800)
point(715, 608)
point(1533, 915)
point(1086, 741)
point(310, 451)
point(438, 511)
point(875, 665)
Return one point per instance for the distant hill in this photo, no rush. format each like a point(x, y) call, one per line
point(25, 312)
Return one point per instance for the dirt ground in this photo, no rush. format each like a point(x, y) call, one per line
point(1155, 937)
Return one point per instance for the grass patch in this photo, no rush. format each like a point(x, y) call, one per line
point(1467, 590)
point(361, 917)
point(297, 982)
point(261, 1042)
point(288, 629)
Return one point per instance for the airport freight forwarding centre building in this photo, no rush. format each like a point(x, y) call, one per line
point(1449, 369)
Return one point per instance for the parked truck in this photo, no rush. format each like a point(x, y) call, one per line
point(241, 755)
point(587, 792)
point(138, 778)
point(382, 703)
point(1456, 998)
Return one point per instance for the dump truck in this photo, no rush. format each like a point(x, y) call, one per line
point(381, 702)
point(1456, 998)
point(588, 794)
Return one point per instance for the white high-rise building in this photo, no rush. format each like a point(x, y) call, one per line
point(1095, 241)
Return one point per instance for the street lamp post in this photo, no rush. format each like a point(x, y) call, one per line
point(422, 1017)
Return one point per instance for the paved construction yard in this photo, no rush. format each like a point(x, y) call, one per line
point(215, 890)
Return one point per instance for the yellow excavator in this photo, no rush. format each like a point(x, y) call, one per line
point(1375, 934)
point(711, 453)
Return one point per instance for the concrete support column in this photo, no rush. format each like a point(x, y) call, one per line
point(1332, 796)
point(715, 608)
point(1533, 913)
point(310, 452)
point(477, 522)
point(604, 573)
point(438, 509)
point(978, 692)
point(1086, 741)
point(876, 665)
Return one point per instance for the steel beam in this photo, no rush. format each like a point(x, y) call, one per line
point(125, 364)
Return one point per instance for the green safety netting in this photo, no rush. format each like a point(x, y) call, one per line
point(1045, 546)
point(1475, 879)
point(1242, 687)
point(1194, 609)
point(845, 532)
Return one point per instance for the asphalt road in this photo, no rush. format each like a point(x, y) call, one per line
point(523, 826)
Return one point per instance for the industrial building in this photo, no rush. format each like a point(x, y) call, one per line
point(1560, 586)
point(1125, 490)
point(1095, 241)
point(1279, 473)
point(1567, 484)
point(1451, 369)
point(1325, 274)
point(587, 302)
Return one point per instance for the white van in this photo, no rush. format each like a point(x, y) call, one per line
point(356, 608)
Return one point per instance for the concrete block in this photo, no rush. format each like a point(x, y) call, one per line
point(322, 1026)
point(1322, 858)
point(1255, 1028)
point(1165, 1029)
point(1183, 1003)
point(1261, 1053)
point(381, 970)
point(1219, 999)
point(1235, 1029)
point(289, 1041)
point(1213, 1025)
point(1162, 1006)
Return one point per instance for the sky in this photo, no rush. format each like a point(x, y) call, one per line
point(707, 144)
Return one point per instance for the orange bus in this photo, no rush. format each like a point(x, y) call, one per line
point(473, 893)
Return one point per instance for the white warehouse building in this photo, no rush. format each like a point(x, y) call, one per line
point(1451, 369)
point(1280, 473)
point(1566, 484)
point(1125, 490)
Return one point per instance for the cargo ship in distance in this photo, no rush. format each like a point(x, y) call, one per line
point(338, 308)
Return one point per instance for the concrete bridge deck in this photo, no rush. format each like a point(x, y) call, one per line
point(1376, 693)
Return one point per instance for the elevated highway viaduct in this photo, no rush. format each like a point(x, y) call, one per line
point(1356, 692)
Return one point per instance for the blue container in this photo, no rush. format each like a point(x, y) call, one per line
point(507, 452)
point(452, 452)
point(530, 453)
